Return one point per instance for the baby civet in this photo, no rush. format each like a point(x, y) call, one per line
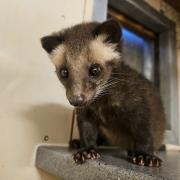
point(113, 101)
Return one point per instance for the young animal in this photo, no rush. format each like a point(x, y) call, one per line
point(112, 100)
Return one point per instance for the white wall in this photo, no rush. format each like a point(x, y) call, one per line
point(32, 101)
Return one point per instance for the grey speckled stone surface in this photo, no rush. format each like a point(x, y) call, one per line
point(112, 166)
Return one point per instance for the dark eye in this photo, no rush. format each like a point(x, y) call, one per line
point(95, 70)
point(64, 73)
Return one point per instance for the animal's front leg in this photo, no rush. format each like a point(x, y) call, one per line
point(143, 153)
point(88, 136)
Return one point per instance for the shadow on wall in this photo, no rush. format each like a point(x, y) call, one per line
point(52, 120)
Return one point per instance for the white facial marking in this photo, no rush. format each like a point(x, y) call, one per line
point(102, 51)
point(57, 55)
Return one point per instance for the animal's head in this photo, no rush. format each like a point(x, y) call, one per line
point(84, 56)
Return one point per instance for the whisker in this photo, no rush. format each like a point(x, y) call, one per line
point(104, 89)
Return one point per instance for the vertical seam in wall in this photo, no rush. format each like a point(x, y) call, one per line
point(84, 10)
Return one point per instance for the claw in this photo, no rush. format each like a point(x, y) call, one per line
point(141, 162)
point(134, 160)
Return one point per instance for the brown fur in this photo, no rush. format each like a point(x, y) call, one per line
point(120, 103)
point(133, 92)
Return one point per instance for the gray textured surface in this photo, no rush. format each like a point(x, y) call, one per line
point(112, 166)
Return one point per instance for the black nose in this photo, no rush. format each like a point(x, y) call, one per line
point(77, 100)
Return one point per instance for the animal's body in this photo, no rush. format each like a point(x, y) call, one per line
point(112, 99)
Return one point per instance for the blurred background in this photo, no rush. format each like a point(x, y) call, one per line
point(33, 105)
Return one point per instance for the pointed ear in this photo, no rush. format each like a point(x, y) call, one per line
point(49, 43)
point(112, 29)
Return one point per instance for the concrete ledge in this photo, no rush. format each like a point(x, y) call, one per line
point(112, 166)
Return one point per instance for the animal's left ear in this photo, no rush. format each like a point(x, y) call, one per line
point(112, 29)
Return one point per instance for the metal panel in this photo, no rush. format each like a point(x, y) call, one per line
point(99, 10)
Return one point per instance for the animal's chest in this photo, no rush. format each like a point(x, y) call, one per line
point(112, 123)
point(108, 114)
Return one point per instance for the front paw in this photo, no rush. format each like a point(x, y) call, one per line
point(145, 160)
point(85, 154)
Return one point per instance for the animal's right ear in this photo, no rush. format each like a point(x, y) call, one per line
point(49, 43)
